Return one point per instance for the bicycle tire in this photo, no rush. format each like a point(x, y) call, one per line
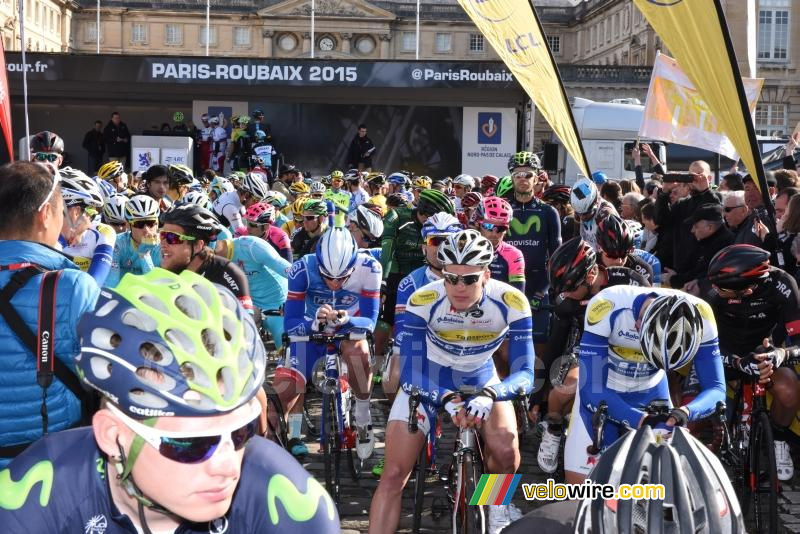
point(763, 475)
point(331, 447)
point(472, 518)
point(279, 435)
point(419, 486)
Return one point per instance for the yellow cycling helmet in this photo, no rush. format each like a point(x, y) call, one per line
point(297, 207)
point(421, 182)
point(299, 188)
point(380, 201)
point(110, 170)
point(337, 175)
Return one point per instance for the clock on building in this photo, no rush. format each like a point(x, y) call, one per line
point(326, 44)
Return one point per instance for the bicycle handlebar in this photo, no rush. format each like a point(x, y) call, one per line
point(323, 338)
point(598, 424)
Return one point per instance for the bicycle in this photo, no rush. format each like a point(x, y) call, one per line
point(337, 432)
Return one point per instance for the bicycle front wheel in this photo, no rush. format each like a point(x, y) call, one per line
point(331, 446)
point(472, 517)
point(276, 419)
point(764, 484)
point(419, 486)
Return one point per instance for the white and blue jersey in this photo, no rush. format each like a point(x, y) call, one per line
point(127, 259)
point(415, 280)
point(443, 349)
point(92, 254)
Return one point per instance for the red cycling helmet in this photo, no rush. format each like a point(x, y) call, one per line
point(488, 183)
point(614, 237)
point(471, 199)
point(569, 265)
point(558, 193)
point(738, 267)
point(497, 210)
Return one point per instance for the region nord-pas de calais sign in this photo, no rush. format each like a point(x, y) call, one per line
point(239, 71)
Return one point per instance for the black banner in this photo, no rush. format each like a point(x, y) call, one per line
point(262, 72)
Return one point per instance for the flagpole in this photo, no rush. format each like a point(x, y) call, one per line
point(98, 26)
point(24, 80)
point(313, 14)
point(208, 24)
point(416, 39)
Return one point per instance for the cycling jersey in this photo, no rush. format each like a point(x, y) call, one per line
point(359, 297)
point(358, 197)
point(274, 493)
point(303, 243)
point(589, 228)
point(418, 278)
point(291, 228)
point(280, 220)
point(221, 271)
point(508, 266)
point(127, 258)
point(745, 322)
point(374, 252)
point(279, 241)
point(443, 349)
point(655, 265)
point(92, 254)
point(341, 202)
point(230, 206)
point(639, 264)
point(266, 271)
point(401, 242)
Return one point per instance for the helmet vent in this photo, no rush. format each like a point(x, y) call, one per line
point(140, 397)
point(225, 383)
point(105, 339)
point(205, 295)
point(106, 308)
point(101, 367)
point(153, 302)
point(151, 353)
point(181, 340)
point(190, 307)
point(212, 342)
point(139, 320)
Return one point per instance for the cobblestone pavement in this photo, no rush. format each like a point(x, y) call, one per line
point(357, 494)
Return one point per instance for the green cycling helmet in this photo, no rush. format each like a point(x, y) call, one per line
point(504, 186)
point(434, 201)
point(315, 206)
point(163, 344)
point(524, 159)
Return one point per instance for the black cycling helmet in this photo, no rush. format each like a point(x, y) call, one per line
point(179, 174)
point(569, 265)
point(614, 237)
point(396, 200)
point(698, 495)
point(196, 221)
point(434, 201)
point(738, 267)
point(47, 142)
point(557, 194)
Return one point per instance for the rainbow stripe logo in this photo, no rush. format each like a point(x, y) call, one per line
point(495, 489)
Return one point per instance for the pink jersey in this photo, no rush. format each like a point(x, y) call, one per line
point(509, 266)
point(280, 241)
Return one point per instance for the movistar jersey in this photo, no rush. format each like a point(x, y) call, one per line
point(614, 369)
point(443, 349)
point(508, 266)
point(126, 259)
point(61, 484)
point(93, 252)
point(265, 270)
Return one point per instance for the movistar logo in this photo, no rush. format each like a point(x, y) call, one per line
point(519, 228)
point(300, 506)
point(14, 494)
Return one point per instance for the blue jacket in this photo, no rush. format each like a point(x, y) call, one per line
point(20, 395)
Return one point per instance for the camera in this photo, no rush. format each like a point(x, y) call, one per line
point(678, 177)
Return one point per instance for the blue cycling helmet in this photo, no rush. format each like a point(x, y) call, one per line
point(441, 223)
point(599, 177)
point(397, 178)
point(336, 253)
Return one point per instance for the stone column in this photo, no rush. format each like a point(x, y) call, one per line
point(307, 44)
point(346, 37)
point(267, 36)
point(385, 45)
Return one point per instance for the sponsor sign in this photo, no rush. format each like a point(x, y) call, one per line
point(489, 137)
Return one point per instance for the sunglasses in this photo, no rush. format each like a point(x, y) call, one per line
point(499, 228)
point(436, 240)
point(468, 279)
point(319, 196)
point(311, 217)
point(341, 279)
point(52, 157)
point(729, 209)
point(731, 293)
point(144, 224)
point(173, 239)
point(195, 447)
point(523, 174)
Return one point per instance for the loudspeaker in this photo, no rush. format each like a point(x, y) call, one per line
point(550, 157)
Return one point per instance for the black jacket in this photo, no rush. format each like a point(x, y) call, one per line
point(361, 151)
point(703, 252)
point(116, 148)
point(94, 143)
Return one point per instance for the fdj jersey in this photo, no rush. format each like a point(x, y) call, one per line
point(38, 492)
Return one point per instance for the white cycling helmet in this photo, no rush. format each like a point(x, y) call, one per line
point(318, 187)
point(337, 252)
point(114, 209)
point(369, 221)
point(253, 184)
point(197, 197)
point(467, 247)
point(142, 207)
point(77, 188)
point(584, 196)
point(671, 332)
point(464, 179)
point(441, 223)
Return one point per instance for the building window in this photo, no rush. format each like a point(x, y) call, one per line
point(287, 42)
point(554, 42)
point(409, 41)
point(771, 119)
point(773, 30)
point(615, 25)
point(444, 42)
point(173, 34)
point(365, 45)
point(138, 32)
point(241, 36)
point(476, 43)
point(212, 38)
point(606, 33)
point(91, 32)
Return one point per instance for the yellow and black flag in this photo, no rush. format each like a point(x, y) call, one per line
point(697, 36)
point(514, 30)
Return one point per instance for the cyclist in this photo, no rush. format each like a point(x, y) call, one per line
point(218, 187)
point(469, 203)
point(315, 223)
point(260, 219)
point(590, 208)
point(340, 197)
point(753, 302)
point(488, 183)
point(376, 185)
point(558, 196)
point(491, 219)
point(575, 277)
point(279, 201)
point(317, 190)
point(452, 327)
point(231, 206)
point(186, 235)
point(632, 338)
point(462, 184)
point(199, 198)
point(293, 225)
point(156, 184)
point(367, 228)
point(180, 178)
point(615, 247)
point(179, 455)
point(358, 194)
point(47, 147)
point(137, 251)
point(113, 172)
point(334, 289)
point(398, 183)
point(419, 184)
point(89, 245)
point(114, 213)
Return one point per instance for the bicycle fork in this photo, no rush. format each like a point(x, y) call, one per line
point(466, 445)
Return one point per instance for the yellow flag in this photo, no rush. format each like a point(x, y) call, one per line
point(697, 36)
point(513, 29)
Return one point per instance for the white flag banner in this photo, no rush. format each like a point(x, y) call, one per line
point(676, 113)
